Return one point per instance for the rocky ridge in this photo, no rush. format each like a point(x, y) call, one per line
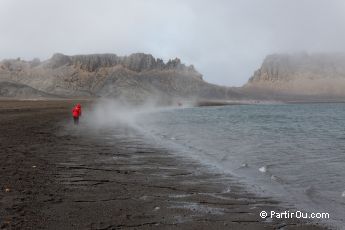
point(137, 76)
point(300, 74)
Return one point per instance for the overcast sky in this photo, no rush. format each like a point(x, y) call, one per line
point(225, 40)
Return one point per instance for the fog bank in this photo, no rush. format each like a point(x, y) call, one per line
point(225, 40)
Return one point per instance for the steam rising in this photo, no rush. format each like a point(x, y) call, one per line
point(107, 113)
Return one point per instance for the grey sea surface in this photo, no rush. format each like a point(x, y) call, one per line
point(293, 152)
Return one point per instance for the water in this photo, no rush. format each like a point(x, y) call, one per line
point(295, 153)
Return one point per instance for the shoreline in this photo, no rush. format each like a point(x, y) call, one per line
point(57, 176)
point(192, 103)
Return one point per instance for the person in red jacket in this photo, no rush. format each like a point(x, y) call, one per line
point(76, 113)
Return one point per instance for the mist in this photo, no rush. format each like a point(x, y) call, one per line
point(225, 40)
point(110, 113)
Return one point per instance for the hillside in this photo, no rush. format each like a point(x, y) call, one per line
point(10, 89)
point(137, 76)
point(299, 76)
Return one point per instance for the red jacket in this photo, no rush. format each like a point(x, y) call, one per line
point(76, 112)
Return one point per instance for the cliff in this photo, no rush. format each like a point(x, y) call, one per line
point(321, 75)
point(137, 76)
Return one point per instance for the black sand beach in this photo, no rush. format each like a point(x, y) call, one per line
point(56, 176)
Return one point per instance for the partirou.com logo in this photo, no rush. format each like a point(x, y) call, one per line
point(296, 214)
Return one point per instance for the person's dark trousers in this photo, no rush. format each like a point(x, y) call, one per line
point(76, 120)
